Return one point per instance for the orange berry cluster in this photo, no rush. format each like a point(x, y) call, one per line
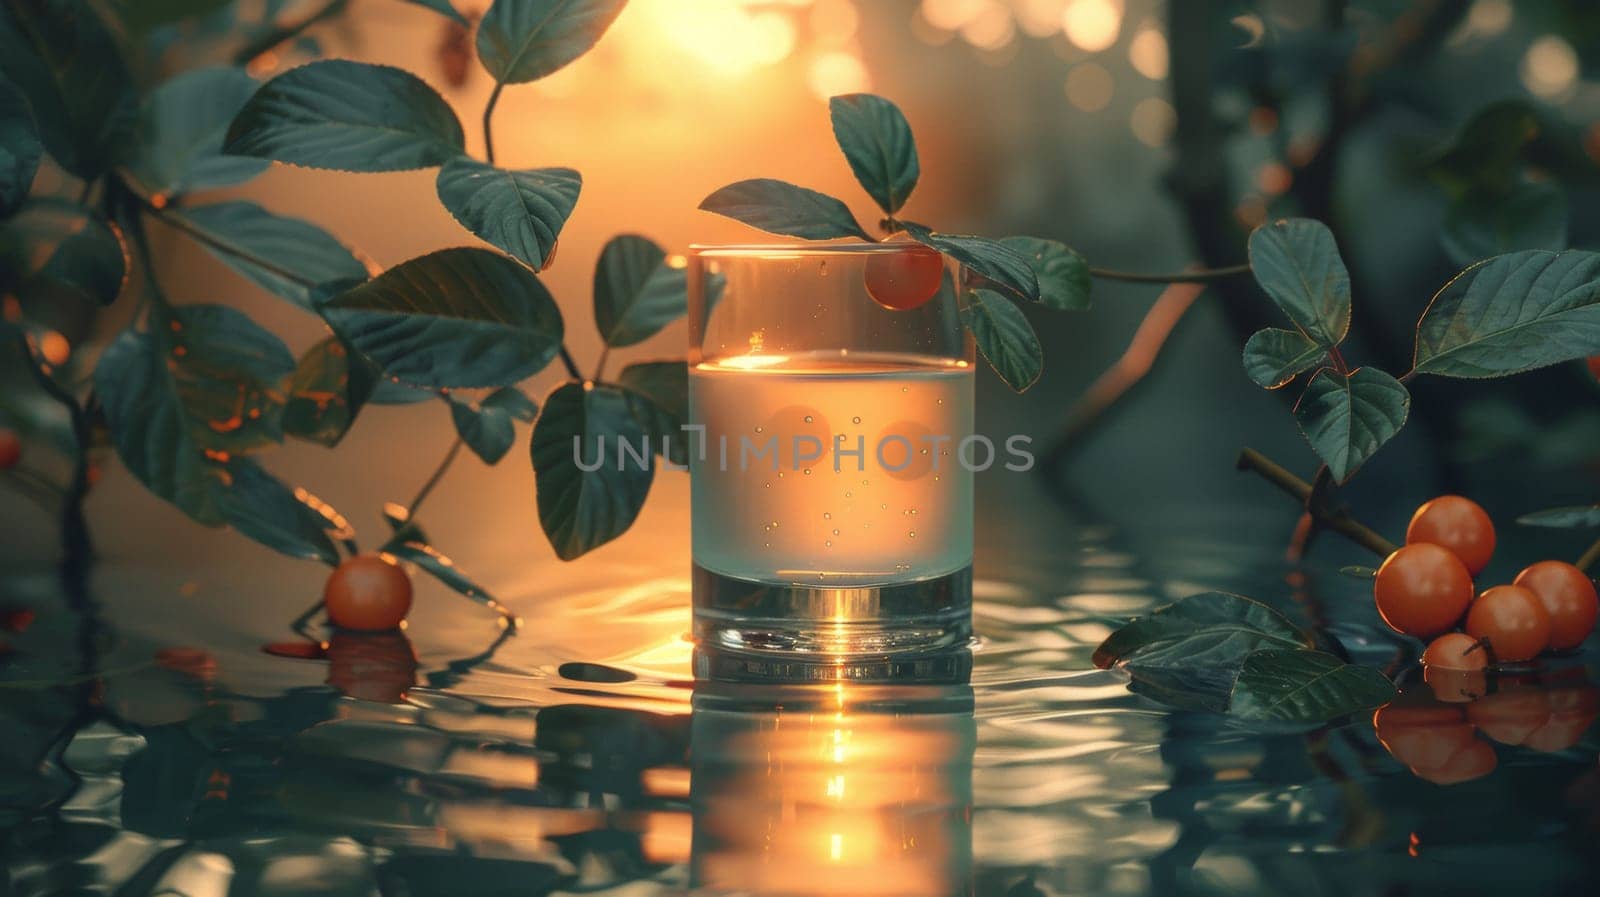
point(1425, 589)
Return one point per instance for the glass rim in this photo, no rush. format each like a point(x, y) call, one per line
point(758, 250)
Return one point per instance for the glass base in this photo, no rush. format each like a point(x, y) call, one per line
point(920, 630)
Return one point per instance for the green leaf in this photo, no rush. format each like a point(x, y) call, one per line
point(1063, 275)
point(177, 146)
point(524, 40)
point(1578, 517)
point(1486, 152)
point(285, 256)
point(637, 291)
point(992, 260)
point(1211, 629)
point(20, 149)
point(1347, 419)
point(489, 432)
point(662, 388)
point(1512, 313)
point(1004, 337)
point(779, 207)
point(581, 510)
point(456, 318)
point(443, 8)
point(69, 66)
point(1305, 687)
point(1297, 263)
point(442, 569)
point(521, 212)
point(201, 379)
point(348, 116)
point(1273, 357)
point(52, 246)
point(327, 390)
point(1479, 225)
point(877, 141)
point(290, 521)
point(510, 400)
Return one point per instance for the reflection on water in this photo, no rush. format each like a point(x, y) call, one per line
point(580, 757)
point(833, 790)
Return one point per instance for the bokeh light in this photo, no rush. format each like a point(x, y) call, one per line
point(1092, 25)
point(1550, 68)
point(1089, 87)
point(1148, 53)
point(835, 73)
point(1152, 121)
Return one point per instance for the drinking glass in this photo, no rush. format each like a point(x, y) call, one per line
point(829, 406)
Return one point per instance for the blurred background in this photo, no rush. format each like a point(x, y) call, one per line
point(1147, 135)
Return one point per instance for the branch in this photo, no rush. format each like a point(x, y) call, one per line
point(1301, 491)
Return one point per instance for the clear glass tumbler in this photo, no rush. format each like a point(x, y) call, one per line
point(832, 511)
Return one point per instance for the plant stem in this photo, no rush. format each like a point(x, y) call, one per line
point(1201, 275)
point(1300, 490)
point(268, 40)
point(488, 121)
point(438, 474)
point(600, 366)
point(75, 541)
point(488, 154)
point(1589, 557)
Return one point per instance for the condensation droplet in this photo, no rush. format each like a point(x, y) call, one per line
point(827, 515)
point(807, 471)
point(828, 544)
point(758, 429)
point(836, 532)
point(855, 420)
point(808, 418)
point(911, 534)
point(849, 495)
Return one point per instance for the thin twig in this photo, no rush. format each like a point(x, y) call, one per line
point(74, 528)
point(1300, 490)
point(600, 366)
point(1199, 275)
point(1589, 557)
point(438, 474)
point(1126, 373)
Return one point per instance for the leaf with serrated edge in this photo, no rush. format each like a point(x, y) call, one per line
point(328, 389)
point(1064, 281)
point(1512, 313)
point(877, 142)
point(521, 212)
point(1273, 357)
point(1004, 337)
point(441, 568)
point(1001, 265)
point(1305, 687)
point(1347, 419)
point(456, 318)
point(347, 116)
point(779, 207)
point(525, 40)
point(1297, 263)
point(582, 510)
point(1230, 626)
point(290, 521)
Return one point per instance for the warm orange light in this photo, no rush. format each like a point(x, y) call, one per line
point(837, 73)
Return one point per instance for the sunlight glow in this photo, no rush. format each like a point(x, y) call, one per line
point(836, 73)
point(952, 15)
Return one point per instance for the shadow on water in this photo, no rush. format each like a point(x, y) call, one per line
point(583, 758)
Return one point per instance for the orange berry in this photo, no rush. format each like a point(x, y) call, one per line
point(1422, 589)
point(905, 278)
point(367, 592)
point(1455, 651)
point(1513, 621)
point(1568, 596)
point(1458, 524)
